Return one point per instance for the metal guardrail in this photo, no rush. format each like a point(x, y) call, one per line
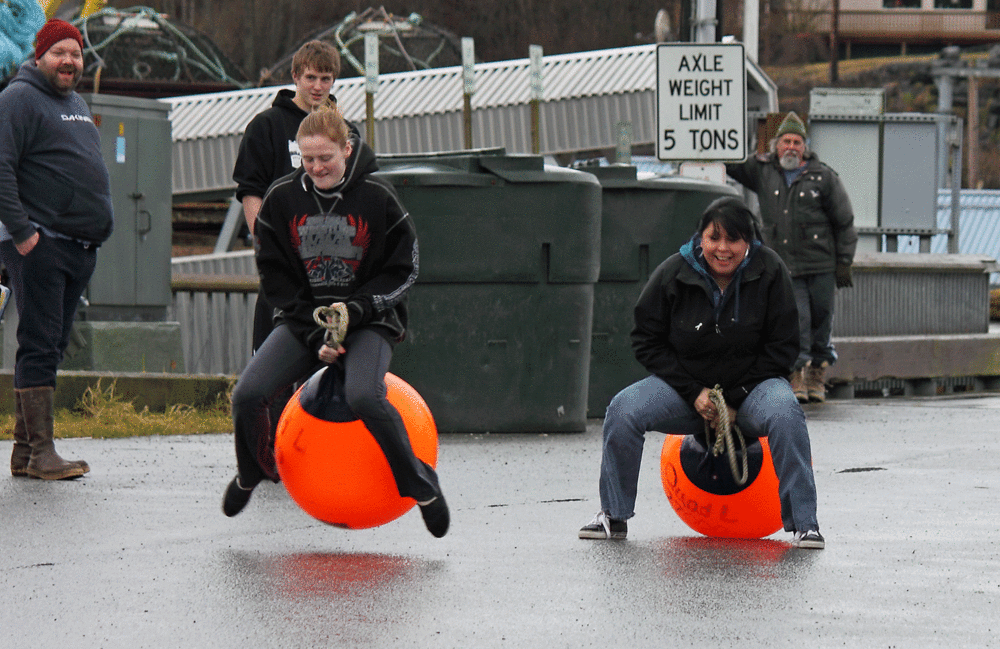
point(216, 317)
point(889, 24)
point(208, 283)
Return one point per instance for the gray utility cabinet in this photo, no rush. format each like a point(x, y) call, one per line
point(132, 278)
point(890, 166)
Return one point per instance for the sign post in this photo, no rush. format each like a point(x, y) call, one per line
point(468, 87)
point(701, 101)
point(371, 83)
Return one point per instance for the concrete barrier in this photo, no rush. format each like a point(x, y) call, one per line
point(156, 391)
point(922, 363)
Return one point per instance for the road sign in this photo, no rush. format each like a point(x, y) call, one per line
point(701, 99)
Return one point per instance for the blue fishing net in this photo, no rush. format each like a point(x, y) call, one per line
point(20, 20)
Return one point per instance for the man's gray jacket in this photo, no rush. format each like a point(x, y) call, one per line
point(810, 223)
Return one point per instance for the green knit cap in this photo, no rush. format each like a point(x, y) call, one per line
point(792, 124)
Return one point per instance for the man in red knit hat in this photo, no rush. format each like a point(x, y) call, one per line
point(55, 210)
point(62, 72)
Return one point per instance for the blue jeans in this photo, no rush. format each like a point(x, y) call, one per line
point(814, 296)
point(770, 411)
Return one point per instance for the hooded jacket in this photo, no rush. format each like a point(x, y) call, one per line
point(810, 224)
point(268, 150)
point(355, 244)
point(52, 172)
point(694, 336)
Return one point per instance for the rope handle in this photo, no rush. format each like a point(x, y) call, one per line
point(724, 442)
point(333, 318)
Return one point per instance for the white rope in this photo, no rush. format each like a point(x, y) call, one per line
point(724, 442)
point(333, 318)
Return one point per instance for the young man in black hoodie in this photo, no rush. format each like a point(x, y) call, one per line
point(331, 234)
point(55, 206)
point(269, 150)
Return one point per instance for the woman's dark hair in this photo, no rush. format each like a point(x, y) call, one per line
point(732, 215)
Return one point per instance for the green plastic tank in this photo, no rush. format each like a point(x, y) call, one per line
point(500, 316)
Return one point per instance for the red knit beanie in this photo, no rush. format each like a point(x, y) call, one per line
point(52, 32)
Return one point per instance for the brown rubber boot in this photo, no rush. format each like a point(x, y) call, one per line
point(45, 463)
point(816, 382)
point(22, 450)
point(798, 381)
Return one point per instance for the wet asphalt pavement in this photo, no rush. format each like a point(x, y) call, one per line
point(138, 553)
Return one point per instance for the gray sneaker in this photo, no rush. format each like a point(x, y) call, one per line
point(809, 540)
point(603, 528)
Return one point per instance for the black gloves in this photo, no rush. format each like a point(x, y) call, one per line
point(844, 276)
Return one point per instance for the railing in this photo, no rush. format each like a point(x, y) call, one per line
point(216, 317)
point(894, 24)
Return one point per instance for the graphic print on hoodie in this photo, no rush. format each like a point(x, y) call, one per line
point(331, 247)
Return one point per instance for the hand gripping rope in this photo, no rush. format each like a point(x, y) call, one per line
point(333, 318)
point(724, 436)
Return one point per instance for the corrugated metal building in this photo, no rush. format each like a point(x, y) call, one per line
point(585, 95)
point(978, 226)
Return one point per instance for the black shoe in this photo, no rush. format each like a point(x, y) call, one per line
point(809, 540)
point(436, 516)
point(604, 527)
point(236, 498)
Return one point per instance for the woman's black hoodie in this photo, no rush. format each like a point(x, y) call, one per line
point(355, 244)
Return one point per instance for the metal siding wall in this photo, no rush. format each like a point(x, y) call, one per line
point(216, 330)
point(979, 226)
point(589, 123)
point(508, 127)
point(585, 95)
point(912, 303)
point(445, 131)
point(424, 134)
point(204, 165)
point(582, 123)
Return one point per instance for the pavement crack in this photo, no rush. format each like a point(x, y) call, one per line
point(862, 469)
point(48, 564)
point(541, 502)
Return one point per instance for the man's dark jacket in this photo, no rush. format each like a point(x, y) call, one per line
point(810, 224)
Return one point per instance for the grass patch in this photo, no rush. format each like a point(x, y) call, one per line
point(102, 414)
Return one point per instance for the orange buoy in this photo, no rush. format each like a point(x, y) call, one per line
point(335, 470)
point(703, 492)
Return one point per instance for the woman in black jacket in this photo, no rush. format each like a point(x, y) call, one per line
point(331, 234)
point(718, 313)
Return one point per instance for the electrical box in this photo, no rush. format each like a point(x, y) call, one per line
point(891, 165)
point(132, 278)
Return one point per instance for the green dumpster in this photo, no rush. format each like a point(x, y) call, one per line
point(645, 220)
point(500, 316)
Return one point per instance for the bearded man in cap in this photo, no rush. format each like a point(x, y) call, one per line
point(55, 210)
point(808, 220)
